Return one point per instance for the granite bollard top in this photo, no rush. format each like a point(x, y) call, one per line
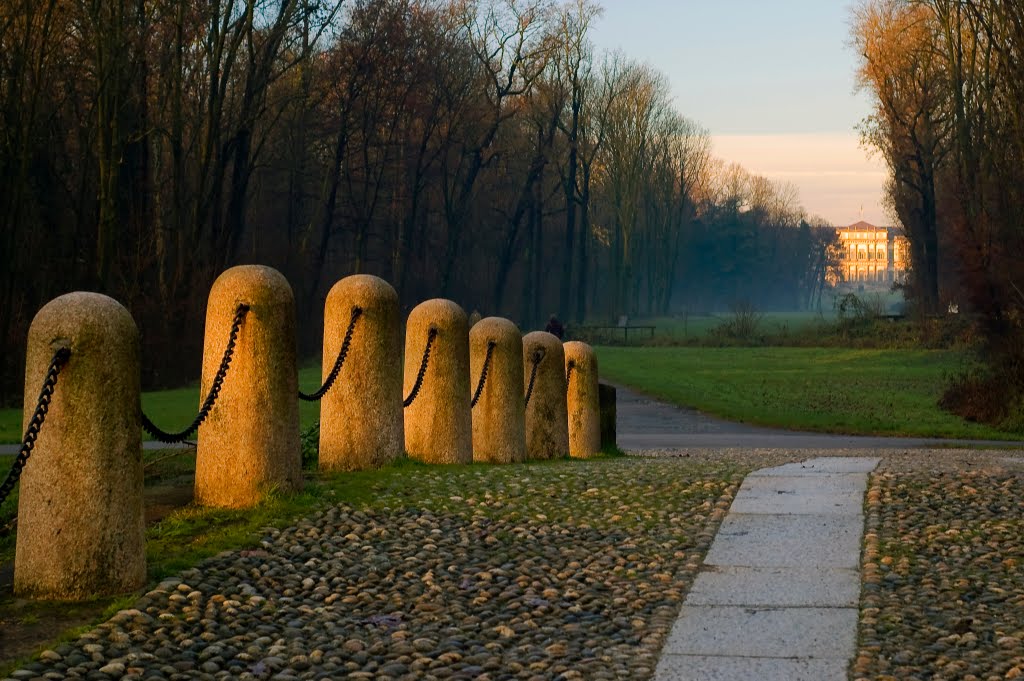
point(80, 518)
point(249, 444)
point(438, 422)
point(499, 417)
point(361, 420)
point(547, 421)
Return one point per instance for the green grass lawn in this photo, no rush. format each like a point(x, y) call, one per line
point(880, 392)
point(173, 410)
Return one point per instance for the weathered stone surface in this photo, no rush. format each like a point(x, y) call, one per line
point(80, 520)
point(499, 417)
point(607, 397)
point(717, 668)
point(788, 587)
point(582, 400)
point(547, 420)
point(729, 631)
point(361, 420)
point(249, 444)
point(765, 540)
point(822, 466)
point(777, 586)
point(438, 424)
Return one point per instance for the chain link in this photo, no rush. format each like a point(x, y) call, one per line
point(483, 374)
point(338, 363)
point(535, 359)
point(60, 358)
point(568, 374)
point(211, 398)
point(423, 369)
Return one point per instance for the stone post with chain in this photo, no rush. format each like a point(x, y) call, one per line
point(499, 415)
point(80, 515)
point(438, 424)
point(249, 444)
point(583, 401)
point(361, 421)
point(547, 434)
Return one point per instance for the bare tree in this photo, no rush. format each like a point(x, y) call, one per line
point(902, 69)
point(509, 39)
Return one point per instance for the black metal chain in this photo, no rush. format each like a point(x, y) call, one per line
point(60, 358)
point(211, 398)
point(338, 363)
point(568, 374)
point(423, 369)
point(538, 355)
point(483, 374)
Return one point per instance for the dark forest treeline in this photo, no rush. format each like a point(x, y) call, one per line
point(947, 78)
point(473, 149)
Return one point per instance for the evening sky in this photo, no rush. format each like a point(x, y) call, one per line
point(773, 81)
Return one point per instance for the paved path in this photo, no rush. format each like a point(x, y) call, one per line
point(778, 593)
point(646, 423)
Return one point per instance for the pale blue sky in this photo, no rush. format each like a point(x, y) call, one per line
point(778, 73)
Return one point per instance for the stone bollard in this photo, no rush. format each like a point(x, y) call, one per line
point(499, 417)
point(583, 401)
point(607, 398)
point(438, 424)
point(547, 430)
point(249, 444)
point(361, 415)
point(80, 519)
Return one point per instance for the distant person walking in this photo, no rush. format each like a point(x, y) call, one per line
point(555, 327)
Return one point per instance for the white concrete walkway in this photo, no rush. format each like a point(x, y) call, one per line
point(778, 593)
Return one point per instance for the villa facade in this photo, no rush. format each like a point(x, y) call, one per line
point(872, 257)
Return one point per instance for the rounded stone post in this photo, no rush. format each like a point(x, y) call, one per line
point(583, 400)
point(80, 519)
point(361, 415)
point(547, 429)
point(249, 444)
point(499, 417)
point(438, 424)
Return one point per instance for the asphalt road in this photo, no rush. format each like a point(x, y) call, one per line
point(645, 423)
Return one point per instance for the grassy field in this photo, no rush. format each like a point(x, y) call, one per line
point(172, 410)
point(883, 392)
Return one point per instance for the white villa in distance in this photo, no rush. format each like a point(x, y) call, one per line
point(871, 257)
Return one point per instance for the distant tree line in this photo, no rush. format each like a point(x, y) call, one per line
point(473, 149)
point(947, 79)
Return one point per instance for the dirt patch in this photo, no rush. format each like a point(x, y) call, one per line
point(168, 496)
